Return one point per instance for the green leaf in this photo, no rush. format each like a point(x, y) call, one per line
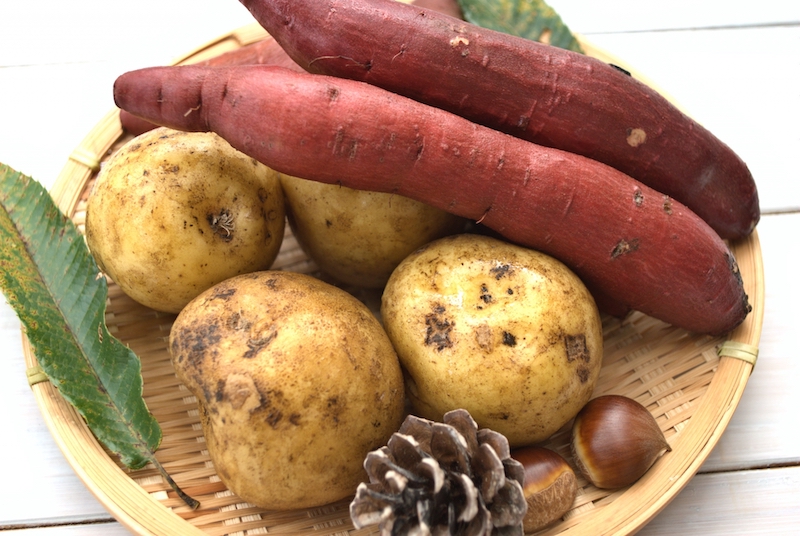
point(54, 285)
point(531, 19)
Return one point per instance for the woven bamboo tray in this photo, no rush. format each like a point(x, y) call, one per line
point(690, 383)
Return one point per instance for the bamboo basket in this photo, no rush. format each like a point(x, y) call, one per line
point(690, 383)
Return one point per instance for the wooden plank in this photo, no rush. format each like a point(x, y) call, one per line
point(47, 127)
point(758, 128)
point(763, 429)
point(755, 118)
point(763, 502)
point(741, 84)
point(677, 61)
point(616, 16)
point(98, 529)
point(37, 482)
point(89, 31)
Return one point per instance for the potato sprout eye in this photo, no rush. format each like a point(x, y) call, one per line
point(222, 221)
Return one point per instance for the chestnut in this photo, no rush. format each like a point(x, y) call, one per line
point(615, 440)
point(549, 486)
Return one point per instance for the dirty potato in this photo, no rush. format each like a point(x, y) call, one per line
point(359, 237)
point(507, 333)
point(173, 213)
point(296, 382)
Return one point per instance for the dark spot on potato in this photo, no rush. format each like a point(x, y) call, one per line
point(328, 223)
point(486, 296)
point(194, 343)
point(638, 198)
point(500, 271)
point(222, 293)
point(274, 417)
point(576, 348)
point(509, 339)
point(173, 349)
point(210, 411)
point(438, 329)
point(260, 341)
point(294, 418)
point(271, 402)
point(335, 408)
point(623, 247)
point(510, 292)
point(583, 374)
point(333, 93)
point(236, 322)
point(219, 392)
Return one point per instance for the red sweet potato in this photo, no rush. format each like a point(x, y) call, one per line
point(134, 125)
point(544, 94)
point(631, 242)
point(266, 51)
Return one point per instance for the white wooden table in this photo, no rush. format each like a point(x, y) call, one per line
point(734, 65)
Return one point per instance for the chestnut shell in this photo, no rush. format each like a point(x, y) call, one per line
point(615, 440)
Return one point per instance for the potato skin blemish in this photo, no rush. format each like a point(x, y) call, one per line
point(438, 329)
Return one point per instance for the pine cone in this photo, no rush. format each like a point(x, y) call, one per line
point(445, 478)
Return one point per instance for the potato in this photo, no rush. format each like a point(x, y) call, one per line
point(358, 237)
point(296, 382)
point(172, 213)
point(507, 333)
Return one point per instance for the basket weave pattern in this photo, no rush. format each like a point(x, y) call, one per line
point(691, 391)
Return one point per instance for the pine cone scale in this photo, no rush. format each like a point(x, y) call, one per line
point(447, 478)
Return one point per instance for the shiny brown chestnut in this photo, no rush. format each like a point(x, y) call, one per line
point(615, 440)
point(549, 486)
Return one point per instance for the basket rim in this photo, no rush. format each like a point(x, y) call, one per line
point(141, 513)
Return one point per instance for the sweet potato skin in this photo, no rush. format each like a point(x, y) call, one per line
point(134, 125)
point(268, 51)
point(633, 243)
point(265, 51)
point(533, 91)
